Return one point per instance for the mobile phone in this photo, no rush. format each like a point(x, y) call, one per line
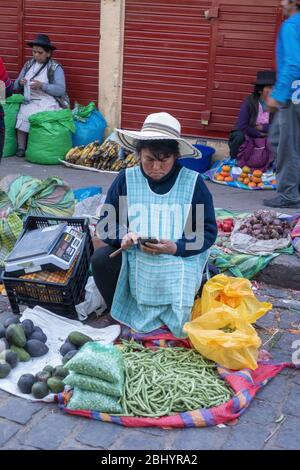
point(143, 241)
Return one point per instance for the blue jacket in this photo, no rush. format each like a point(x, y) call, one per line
point(288, 58)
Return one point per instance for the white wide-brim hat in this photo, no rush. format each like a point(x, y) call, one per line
point(157, 126)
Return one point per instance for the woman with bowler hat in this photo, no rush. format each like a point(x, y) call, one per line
point(254, 120)
point(42, 81)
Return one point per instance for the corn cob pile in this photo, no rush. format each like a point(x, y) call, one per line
point(103, 157)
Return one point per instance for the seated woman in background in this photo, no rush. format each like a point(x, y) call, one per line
point(42, 81)
point(7, 89)
point(248, 141)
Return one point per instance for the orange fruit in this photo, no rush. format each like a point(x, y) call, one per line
point(229, 179)
point(257, 173)
point(240, 180)
point(246, 169)
point(252, 185)
point(274, 182)
point(225, 174)
point(260, 185)
point(246, 181)
point(226, 168)
point(255, 179)
point(243, 175)
point(220, 178)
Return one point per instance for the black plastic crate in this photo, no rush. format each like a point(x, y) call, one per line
point(59, 298)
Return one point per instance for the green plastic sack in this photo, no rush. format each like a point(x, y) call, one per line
point(93, 384)
point(82, 113)
point(83, 400)
point(101, 361)
point(11, 108)
point(50, 136)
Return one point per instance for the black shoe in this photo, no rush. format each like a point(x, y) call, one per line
point(20, 153)
point(279, 202)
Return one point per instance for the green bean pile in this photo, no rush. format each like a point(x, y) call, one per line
point(169, 380)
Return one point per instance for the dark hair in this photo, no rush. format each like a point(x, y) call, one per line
point(297, 3)
point(159, 148)
point(253, 101)
point(46, 48)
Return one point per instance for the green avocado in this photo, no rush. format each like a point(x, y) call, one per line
point(78, 339)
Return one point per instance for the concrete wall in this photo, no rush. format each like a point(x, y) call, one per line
point(111, 60)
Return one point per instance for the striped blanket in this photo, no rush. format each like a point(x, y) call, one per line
point(244, 383)
point(30, 196)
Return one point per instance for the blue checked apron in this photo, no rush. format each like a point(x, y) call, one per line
point(153, 291)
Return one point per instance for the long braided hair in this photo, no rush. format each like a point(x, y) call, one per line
point(253, 101)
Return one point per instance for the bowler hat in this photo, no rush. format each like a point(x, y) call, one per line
point(265, 77)
point(42, 40)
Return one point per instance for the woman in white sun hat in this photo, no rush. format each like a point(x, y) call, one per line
point(155, 283)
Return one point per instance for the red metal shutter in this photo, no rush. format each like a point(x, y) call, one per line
point(166, 54)
point(245, 35)
point(74, 27)
point(11, 35)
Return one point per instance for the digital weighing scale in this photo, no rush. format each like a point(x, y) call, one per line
point(51, 248)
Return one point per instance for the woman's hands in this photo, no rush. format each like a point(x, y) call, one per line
point(130, 239)
point(36, 85)
point(165, 247)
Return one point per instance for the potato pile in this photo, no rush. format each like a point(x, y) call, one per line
point(265, 225)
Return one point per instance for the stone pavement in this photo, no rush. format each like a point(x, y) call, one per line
point(283, 271)
point(27, 425)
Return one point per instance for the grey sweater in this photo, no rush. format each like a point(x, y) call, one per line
point(58, 88)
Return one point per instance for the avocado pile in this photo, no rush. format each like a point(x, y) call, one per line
point(20, 341)
point(72, 345)
point(49, 380)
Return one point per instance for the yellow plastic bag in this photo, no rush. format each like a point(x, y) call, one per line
point(235, 350)
point(234, 292)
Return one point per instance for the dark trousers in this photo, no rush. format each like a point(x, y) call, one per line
point(284, 138)
point(236, 139)
point(106, 272)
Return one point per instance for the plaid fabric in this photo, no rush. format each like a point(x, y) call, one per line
point(245, 384)
point(55, 277)
point(296, 230)
point(213, 173)
point(295, 234)
point(296, 237)
point(155, 291)
point(10, 229)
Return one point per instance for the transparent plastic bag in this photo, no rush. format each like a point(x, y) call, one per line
point(96, 360)
point(93, 384)
point(84, 400)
